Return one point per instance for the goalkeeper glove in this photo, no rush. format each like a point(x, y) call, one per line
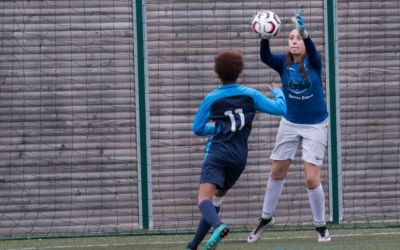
point(298, 21)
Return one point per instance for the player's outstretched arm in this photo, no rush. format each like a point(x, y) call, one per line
point(274, 61)
point(313, 55)
point(277, 106)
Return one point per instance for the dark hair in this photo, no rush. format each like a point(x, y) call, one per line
point(228, 65)
point(290, 61)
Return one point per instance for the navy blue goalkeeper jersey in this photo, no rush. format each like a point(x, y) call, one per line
point(304, 96)
point(232, 108)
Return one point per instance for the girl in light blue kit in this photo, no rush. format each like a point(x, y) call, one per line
point(305, 123)
point(226, 116)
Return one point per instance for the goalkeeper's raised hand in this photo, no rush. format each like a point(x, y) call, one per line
point(298, 21)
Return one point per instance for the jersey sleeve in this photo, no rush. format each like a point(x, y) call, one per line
point(274, 61)
point(312, 53)
point(200, 126)
point(267, 105)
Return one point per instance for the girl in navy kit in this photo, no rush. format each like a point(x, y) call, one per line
point(231, 108)
point(305, 123)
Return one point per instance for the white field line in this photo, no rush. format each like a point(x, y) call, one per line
point(184, 242)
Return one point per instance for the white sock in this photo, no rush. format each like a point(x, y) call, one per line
point(271, 197)
point(317, 203)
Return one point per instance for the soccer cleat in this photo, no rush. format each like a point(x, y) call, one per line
point(220, 232)
point(323, 234)
point(255, 235)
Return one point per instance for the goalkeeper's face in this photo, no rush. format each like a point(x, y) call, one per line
point(296, 44)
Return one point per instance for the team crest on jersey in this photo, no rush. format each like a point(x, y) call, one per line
point(297, 85)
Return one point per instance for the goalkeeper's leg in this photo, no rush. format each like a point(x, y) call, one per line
point(316, 197)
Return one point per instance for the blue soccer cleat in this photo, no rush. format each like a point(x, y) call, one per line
point(220, 232)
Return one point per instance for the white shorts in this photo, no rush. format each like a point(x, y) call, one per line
point(314, 139)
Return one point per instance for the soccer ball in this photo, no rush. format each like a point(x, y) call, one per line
point(267, 24)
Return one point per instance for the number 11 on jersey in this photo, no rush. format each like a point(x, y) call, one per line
point(232, 118)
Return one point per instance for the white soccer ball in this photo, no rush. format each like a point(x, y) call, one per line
point(267, 24)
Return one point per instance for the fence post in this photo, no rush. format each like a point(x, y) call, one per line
point(332, 89)
point(142, 114)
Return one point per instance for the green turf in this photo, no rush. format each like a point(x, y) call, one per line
point(370, 239)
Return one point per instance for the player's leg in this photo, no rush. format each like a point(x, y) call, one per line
point(316, 197)
point(314, 144)
point(207, 209)
point(272, 193)
point(208, 212)
point(222, 230)
point(287, 141)
point(232, 174)
point(315, 193)
point(212, 176)
point(206, 192)
point(274, 188)
point(204, 227)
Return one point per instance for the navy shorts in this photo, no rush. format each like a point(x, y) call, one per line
point(222, 173)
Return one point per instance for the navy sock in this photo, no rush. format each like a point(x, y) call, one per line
point(207, 209)
point(202, 230)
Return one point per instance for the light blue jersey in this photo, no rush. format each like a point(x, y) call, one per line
point(232, 108)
